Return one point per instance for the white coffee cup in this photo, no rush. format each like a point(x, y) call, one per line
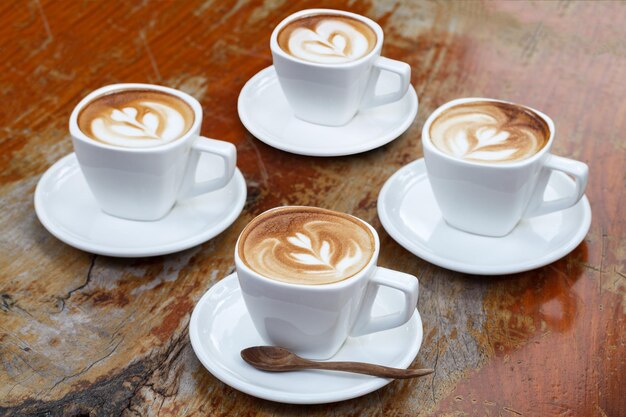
point(145, 183)
point(491, 198)
point(315, 320)
point(331, 94)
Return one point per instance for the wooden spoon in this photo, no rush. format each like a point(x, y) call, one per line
point(276, 359)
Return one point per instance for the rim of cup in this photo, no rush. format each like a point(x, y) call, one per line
point(427, 143)
point(191, 101)
point(369, 22)
point(311, 287)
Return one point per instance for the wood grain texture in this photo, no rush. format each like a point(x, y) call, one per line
point(90, 335)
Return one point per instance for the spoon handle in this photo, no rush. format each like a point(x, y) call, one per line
point(370, 369)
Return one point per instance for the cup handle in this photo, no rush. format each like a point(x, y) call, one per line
point(408, 284)
point(402, 69)
point(225, 150)
point(579, 170)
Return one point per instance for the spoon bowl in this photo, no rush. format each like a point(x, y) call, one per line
point(270, 358)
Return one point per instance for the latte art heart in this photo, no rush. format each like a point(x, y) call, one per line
point(327, 39)
point(489, 132)
point(332, 42)
point(306, 245)
point(133, 118)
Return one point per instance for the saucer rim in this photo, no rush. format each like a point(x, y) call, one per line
point(274, 142)
point(220, 372)
point(238, 182)
point(384, 214)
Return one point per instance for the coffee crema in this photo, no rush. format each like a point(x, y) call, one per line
point(327, 39)
point(306, 245)
point(489, 131)
point(136, 118)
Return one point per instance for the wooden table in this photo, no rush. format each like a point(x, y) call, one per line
point(90, 335)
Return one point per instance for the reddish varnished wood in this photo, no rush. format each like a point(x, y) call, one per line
point(84, 334)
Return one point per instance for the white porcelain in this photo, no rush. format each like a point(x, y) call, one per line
point(315, 320)
point(144, 183)
point(220, 328)
point(331, 94)
point(264, 111)
point(409, 213)
point(490, 199)
point(67, 208)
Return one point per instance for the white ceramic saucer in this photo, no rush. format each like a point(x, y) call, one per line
point(409, 213)
point(220, 328)
point(66, 207)
point(264, 111)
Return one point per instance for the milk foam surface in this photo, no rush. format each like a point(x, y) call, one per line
point(306, 245)
point(136, 118)
point(491, 132)
point(327, 39)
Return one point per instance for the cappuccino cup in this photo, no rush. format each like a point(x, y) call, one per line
point(309, 279)
point(489, 162)
point(328, 63)
point(138, 147)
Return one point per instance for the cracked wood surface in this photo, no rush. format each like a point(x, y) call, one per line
point(91, 335)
